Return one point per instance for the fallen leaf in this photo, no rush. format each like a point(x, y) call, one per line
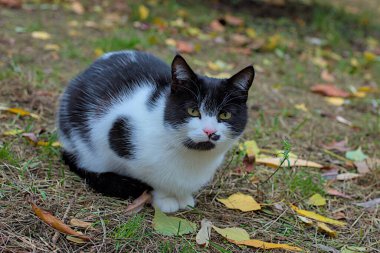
point(239, 39)
point(11, 3)
point(77, 8)
point(139, 203)
point(272, 42)
point(331, 173)
point(329, 90)
point(203, 235)
point(236, 234)
point(373, 163)
point(337, 193)
point(362, 167)
point(75, 239)
point(41, 35)
point(317, 200)
point(216, 26)
point(52, 47)
point(55, 223)
point(356, 155)
point(301, 107)
point(98, 52)
point(251, 33)
point(353, 249)
point(325, 248)
point(20, 112)
point(344, 121)
point(266, 245)
point(79, 223)
point(185, 47)
point(241, 201)
point(219, 65)
point(13, 132)
point(305, 220)
point(316, 216)
point(327, 77)
point(143, 12)
point(232, 20)
point(276, 161)
point(32, 138)
point(337, 145)
point(326, 229)
point(369, 56)
point(169, 225)
point(337, 101)
point(251, 148)
point(347, 176)
point(369, 204)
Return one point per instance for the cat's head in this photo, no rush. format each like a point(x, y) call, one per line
point(207, 112)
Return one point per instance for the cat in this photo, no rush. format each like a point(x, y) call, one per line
point(130, 123)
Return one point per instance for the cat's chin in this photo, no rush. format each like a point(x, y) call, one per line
point(204, 145)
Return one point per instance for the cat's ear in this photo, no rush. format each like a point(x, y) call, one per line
point(181, 71)
point(243, 79)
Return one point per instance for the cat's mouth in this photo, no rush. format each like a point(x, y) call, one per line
point(204, 145)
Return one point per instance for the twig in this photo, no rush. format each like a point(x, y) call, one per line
point(57, 233)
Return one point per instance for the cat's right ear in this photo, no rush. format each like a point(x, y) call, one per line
point(181, 72)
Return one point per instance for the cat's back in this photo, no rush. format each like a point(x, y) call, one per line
point(113, 78)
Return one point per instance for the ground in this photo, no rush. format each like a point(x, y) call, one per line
point(290, 43)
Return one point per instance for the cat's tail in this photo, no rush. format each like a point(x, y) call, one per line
point(109, 183)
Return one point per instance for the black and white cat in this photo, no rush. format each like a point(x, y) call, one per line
point(130, 122)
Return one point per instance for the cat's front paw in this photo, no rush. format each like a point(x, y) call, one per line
point(165, 203)
point(186, 202)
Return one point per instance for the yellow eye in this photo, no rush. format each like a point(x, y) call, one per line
point(193, 112)
point(225, 115)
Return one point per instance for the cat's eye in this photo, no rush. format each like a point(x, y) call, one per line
point(225, 115)
point(193, 112)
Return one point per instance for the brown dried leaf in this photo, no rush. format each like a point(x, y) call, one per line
point(216, 26)
point(139, 203)
point(55, 223)
point(362, 167)
point(79, 223)
point(327, 77)
point(239, 39)
point(339, 146)
point(329, 90)
point(337, 193)
point(184, 47)
point(11, 3)
point(347, 176)
point(77, 7)
point(276, 161)
point(232, 20)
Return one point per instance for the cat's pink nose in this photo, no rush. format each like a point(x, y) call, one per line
point(209, 131)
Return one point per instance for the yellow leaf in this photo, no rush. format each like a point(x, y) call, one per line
point(45, 144)
point(98, 52)
point(41, 35)
point(337, 101)
point(276, 161)
point(143, 12)
point(251, 148)
point(171, 42)
point(317, 217)
point(369, 56)
point(251, 33)
point(324, 228)
point(20, 112)
point(317, 200)
point(347, 176)
point(241, 201)
point(359, 94)
point(220, 75)
point(272, 42)
point(13, 132)
point(236, 234)
point(266, 245)
point(52, 47)
point(367, 89)
point(301, 107)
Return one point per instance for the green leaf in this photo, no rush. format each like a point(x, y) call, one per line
point(236, 234)
point(169, 225)
point(352, 249)
point(356, 155)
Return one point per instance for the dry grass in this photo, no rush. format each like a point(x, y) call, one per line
point(32, 78)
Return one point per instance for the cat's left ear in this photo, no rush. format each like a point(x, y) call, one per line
point(181, 71)
point(243, 79)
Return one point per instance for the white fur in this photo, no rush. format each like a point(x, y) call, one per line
point(161, 160)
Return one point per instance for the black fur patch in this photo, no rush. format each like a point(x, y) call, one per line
point(109, 184)
point(207, 145)
point(120, 136)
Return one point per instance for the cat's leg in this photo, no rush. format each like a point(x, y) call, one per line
point(165, 202)
point(186, 201)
